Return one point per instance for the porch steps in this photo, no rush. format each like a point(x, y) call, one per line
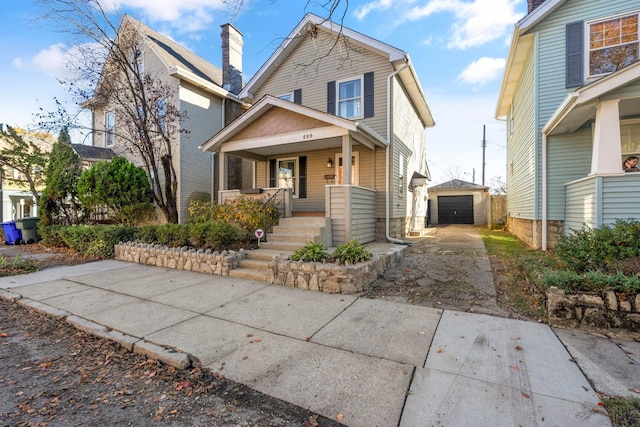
point(291, 233)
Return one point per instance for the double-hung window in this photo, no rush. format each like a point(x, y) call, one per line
point(109, 128)
point(350, 98)
point(613, 44)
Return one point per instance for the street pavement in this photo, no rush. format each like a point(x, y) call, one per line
point(366, 362)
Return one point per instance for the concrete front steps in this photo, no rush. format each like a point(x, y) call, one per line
point(291, 234)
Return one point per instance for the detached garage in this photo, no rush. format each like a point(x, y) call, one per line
point(459, 202)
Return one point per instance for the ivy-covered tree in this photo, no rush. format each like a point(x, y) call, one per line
point(19, 152)
point(118, 185)
point(59, 202)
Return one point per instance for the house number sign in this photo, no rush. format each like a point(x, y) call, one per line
point(307, 135)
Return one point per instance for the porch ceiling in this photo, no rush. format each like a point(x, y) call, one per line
point(581, 114)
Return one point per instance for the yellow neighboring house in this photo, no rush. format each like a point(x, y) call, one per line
point(17, 199)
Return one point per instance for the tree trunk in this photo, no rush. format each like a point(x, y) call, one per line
point(171, 209)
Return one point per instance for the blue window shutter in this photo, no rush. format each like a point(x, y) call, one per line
point(331, 97)
point(575, 50)
point(297, 96)
point(302, 169)
point(272, 173)
point(368, 94)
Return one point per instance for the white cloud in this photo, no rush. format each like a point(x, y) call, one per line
point(51, 60)
point(476, 22)
point(482, 71)
point(362, 11)
point(187, 15)
point(18, 62)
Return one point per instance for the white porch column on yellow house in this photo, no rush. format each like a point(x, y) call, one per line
point(607, 152)
point(346, 160)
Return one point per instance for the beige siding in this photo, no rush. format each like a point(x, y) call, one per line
point(352, 216)
point(480, 204)
point(321, 68)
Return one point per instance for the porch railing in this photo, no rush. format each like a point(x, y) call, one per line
point(278, 200)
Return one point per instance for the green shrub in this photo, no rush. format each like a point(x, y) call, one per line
point(50, 235)
point(173, 235)
point(247, 215)
point(16, 266)
point(97, 241)
point(590, 249)
point(591, 281)
point(311, 252)
point(351, 253)
point(198, 233)
point(221, 235)
point(202, 212)
point(148, 233)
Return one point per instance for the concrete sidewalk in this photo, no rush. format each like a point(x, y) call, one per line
point(377, 363)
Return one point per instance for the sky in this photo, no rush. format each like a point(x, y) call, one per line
point(458, 48)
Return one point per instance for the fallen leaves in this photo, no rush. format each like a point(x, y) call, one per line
point(339, 417)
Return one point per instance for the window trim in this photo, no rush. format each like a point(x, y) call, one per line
point(296, 174)
point(587, 41)
point(109, 131)
point(359, 78)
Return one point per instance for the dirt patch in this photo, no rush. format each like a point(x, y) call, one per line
point(53, 374)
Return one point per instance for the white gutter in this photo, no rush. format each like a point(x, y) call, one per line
point(544, 192)
point(389, 144)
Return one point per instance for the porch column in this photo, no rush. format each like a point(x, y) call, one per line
point(607, 152)
point(223, 182)
point(346, 160)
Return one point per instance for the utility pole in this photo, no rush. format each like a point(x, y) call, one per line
point(484, 147)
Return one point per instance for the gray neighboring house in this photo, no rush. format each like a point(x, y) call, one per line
point(204, 91)
point(459, 202)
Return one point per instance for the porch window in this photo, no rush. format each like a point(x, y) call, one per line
point(355, 168)
point(630, 138)
point(287, 174)
point(613, 44)
point(350, 98)
point(109, 127)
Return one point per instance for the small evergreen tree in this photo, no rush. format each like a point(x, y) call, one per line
point(59, 202)
point(118, 185)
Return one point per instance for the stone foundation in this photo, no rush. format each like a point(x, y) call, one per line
point(584, 310)
point(530, 231)
point(329, 277)
point(200, 261)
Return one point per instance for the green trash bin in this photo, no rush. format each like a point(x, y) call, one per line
point(29, 228)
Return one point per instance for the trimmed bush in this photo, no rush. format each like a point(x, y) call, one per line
point(172, 235)
point(592, 282)
point(97, 240)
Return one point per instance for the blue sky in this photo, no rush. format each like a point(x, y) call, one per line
point(459, 49)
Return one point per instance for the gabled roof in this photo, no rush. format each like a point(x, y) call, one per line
point(397, 57)
point(91, 153)
point(178, 60)
point(580, 105)
point(521, 44)
point(458, 184)
point(324, 121)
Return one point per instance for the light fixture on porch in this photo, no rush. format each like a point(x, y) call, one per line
point(330, 162)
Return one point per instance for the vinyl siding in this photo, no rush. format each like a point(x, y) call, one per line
point(620, 197)
point(521, 146)
point(551, 68)
point(569, 159)
point(480, 199)
point(581, 204)
point(356, 203)
point(408, 140)
point(204, 119)
point(309, 68)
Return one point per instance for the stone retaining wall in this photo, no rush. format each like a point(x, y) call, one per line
point(329, 277)
point(201, 261)
point(610, 311)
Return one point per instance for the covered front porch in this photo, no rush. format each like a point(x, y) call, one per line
point(584, 146)
point(297, 155)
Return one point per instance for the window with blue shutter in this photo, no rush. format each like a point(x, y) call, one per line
point(575, 49)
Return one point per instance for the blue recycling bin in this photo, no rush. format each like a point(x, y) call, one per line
point(12, 235)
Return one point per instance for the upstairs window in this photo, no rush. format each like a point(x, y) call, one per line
point(350, 98)
point(109, 128)
point(613, 44)
point(287, 97)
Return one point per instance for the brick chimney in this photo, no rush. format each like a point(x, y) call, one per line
point(533, 4)
point(231, 58)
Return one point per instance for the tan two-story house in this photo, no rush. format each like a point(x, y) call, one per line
point(326, 94)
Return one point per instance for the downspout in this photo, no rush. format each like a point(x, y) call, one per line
point(544, 191)
point(389, 144)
